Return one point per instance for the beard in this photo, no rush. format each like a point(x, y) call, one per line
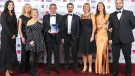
point(119, 8)
point(70, 11)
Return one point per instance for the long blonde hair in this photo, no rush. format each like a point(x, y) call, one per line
point(23, 10)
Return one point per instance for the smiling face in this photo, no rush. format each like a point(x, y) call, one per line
point(27, 8)
point(34, 13)
point(119, 4)
point(10, 6)
point(100, 7)
point(52, 9)
point(70, 8)
point(86, 8)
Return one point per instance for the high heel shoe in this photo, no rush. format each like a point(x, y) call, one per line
point(90, 70)
point(7, 73)
point(83, 71)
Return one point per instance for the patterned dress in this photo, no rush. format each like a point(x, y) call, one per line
point(34, 33)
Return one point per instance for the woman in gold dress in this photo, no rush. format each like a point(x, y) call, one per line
point(102, 63)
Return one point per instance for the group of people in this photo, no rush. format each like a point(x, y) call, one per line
point(86, 34)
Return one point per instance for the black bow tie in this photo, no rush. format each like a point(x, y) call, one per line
point(69, 14)
point(53, 15)
point(118, 12)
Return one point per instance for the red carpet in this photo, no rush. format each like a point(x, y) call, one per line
point(71, 72)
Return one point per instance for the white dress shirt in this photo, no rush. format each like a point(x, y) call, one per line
point(119, 14)
point(52, 19)
point(69, 22)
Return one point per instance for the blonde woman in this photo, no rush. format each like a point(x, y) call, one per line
point(23, 19)
point(34, 41)
point(86, 41)
point(101, 64)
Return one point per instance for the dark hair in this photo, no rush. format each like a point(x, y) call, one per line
point(70, 4)
point(121, 0)
point(97, 11)
point(6, 8)
point(53, 5)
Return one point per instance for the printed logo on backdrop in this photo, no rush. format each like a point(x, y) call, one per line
point(133, 51)
point(3, 0)
point(108, 1)
point(1, 6)
point(48, 0)
point(101, 0)
point(93, 1)
point(87, 0)
point(42, 0)
point(64, 0)
point(18, 0)
point(26, 0)
point(132, 0)
point(79, 6)
point(72, 0)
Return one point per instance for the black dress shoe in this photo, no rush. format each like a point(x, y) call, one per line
point(128, 74)
point(114, 74)
point(47, 71)
point(33, 73)
point(57, 70)
point(66, 69)
point(76, 70)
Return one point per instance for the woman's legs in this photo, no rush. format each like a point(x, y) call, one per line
point(84, 62)
point(90, 62)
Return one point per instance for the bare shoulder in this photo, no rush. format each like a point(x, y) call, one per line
point(107, 15)
point(29, 23)
point(92, 15)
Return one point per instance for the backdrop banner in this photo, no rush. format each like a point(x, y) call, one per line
point(43, 8)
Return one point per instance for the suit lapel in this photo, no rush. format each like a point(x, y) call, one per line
point(116, 18)
point(49, 19)
point(57, 18)
point(122, 16)
point(72, 20)
point(66, 21)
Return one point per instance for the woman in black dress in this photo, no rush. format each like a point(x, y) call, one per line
point(34, 42)
point(23, 19)
point(8, 38)
point(86, 43)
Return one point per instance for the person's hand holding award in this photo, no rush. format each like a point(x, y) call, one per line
point(54, 29)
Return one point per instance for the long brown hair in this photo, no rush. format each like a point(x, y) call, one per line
point(97, 11)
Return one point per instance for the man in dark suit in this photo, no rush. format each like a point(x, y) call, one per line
point(120, 35)
point(70, 37)
point(52, 40)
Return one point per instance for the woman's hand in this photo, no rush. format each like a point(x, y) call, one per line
point(92, 38)
point(23, 40)
point(32, 43)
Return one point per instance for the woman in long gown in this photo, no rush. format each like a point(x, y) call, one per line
point(86, 43)
point(23, 19)
point(8, 21)
point(102, 63)
point(34, 41)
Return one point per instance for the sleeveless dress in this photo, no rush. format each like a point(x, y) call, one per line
point(24, 66)
point(85, 46)
point(34, 32)
point(102, 49)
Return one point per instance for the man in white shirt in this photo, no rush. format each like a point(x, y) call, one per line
point(70, 37)
point(121, 24)
point(52, 38)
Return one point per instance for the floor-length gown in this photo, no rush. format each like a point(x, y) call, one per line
point(8, 57)
point(102, 48)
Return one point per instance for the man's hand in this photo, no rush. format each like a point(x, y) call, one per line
point(110, 41)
